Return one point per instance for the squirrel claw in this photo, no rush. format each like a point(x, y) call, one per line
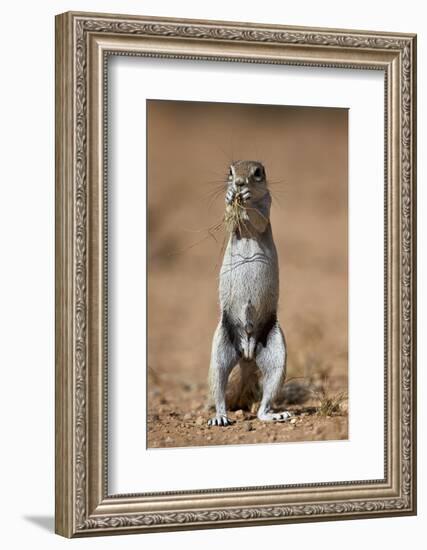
point(220, 420)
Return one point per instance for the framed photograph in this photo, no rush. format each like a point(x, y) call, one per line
point(235, 274)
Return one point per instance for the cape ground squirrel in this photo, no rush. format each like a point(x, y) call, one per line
point(248, 333)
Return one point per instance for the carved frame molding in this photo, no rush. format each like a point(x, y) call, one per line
point(83, 43)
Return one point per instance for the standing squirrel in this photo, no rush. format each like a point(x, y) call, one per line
point(248, 333)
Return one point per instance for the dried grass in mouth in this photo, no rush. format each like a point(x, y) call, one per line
point(233, 217)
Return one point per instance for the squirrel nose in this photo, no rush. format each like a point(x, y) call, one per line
point(240, 181)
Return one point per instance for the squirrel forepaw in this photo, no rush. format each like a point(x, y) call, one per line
point(246, 195)
point(229, 197)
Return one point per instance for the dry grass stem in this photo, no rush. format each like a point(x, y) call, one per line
point(329, 404)
point(234, 215)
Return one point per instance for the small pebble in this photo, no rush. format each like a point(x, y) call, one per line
point(293, 421)
point(248, 427)
point(188, 416)
point(200, 420)
point(239, 414)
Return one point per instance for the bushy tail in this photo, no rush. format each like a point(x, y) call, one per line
point(244, 387)
point(244, 390)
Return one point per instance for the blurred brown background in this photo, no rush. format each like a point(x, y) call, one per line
point(304, 150)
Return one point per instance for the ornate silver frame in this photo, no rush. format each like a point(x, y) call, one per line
point(83, 42)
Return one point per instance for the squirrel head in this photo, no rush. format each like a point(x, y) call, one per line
point(248, 175)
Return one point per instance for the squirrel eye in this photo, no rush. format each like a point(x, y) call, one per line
point(230, 174)
point(258, 174)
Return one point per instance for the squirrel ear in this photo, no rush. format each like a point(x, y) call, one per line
point(259, 173)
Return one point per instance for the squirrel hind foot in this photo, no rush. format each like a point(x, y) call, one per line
point(220, 420)
point(283, 416)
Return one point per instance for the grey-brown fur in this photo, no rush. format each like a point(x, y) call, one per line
point(248, 333)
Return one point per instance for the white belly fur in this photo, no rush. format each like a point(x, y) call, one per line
point(250, 273)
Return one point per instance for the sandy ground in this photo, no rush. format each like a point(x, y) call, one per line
point(305, 154)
